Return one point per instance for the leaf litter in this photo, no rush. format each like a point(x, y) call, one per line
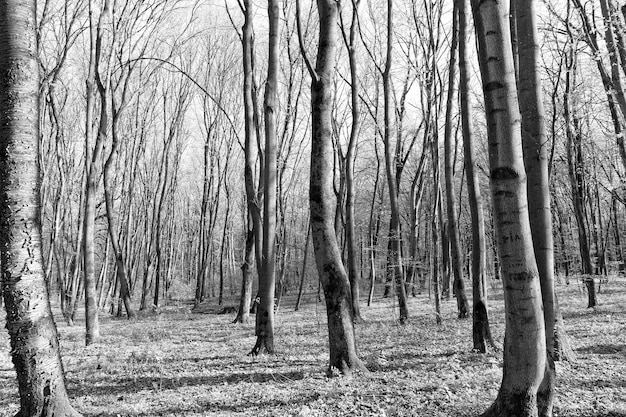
point(181, 363)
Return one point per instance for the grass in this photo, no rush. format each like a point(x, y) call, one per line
point(180, 363)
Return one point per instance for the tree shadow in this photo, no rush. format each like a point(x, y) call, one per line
point(129, 385)
point(220, 409)
point(604, 349)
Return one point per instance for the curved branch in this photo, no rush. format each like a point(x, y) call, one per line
point(204, 90)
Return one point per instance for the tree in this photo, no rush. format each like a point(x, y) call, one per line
point(535, 145)
point(33, 333)
point(576, 169)
point(92, 162)
point(350, 41)
point(481, 332)
point(267, 279)
point(395, 253)
point(332, 274)
point(451, 202)
point(525, 343)
point(253, 229)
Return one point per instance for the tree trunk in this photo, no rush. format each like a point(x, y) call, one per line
point(535, 148)
point(481, 332)
point(267, 280)
point(395, 255)
point(122, 272)
point(253, 213)
point(353, 270)
point(576, 175)
point(451, 203)
point(525, 343)
point(333, 276)
point(92, 170)
point(304, 260)
point(29, 320)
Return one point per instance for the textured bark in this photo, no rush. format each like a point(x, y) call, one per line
point(333, 276)
point(267, 280)
point(451, 202)
point(481, 332)
point(32, 331)
point(525, 345)
point(535, 147)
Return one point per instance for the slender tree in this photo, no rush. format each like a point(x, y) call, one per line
point(267, 279)
point(395, 253)
point(253, 228)
point(353, 273)
point(451, 201)
point(481, 332)
point(92, 164)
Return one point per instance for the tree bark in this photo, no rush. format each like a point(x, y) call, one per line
point(121, 268)
point(451, 202)
point(353, 270)
point(29, 320)
point(481, 332)
point(525, 343)
point(333, 276)
point(576, 175)
point(535, 148)
point(395, 256)
point(96, 29)
point(304, 260)
point(254, 215)
point(267, 280)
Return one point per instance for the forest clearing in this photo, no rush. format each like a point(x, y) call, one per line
point(181, 363)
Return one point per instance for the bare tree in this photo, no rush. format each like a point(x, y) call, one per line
point(253, 229)
point(267, 280)
point(33, 333)
point(451, 200)
point(333, 276)
point(525, 340)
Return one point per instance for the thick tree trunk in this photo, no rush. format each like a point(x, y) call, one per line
point(29, 320)
point(267, 280)
point(333, 277)
point(525, 343)
point(481, 332)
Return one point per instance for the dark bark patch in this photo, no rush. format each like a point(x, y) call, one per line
point(504, 173)
point(493, 85)
point(521, 277)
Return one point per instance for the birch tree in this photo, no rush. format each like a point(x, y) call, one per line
point(32, 331)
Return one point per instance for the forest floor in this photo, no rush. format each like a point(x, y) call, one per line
point(179, 363)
